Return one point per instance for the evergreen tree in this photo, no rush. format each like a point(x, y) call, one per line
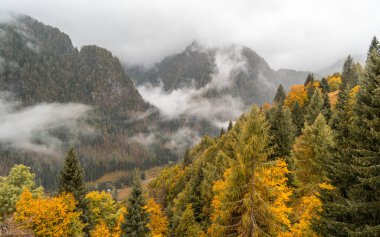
point(326, 111)
point(315, 107)
point(282, 131)
point(280, 95)
point(187, 226)
point(374, 45)
point(230, 125)
point(222, 132)
point(297, 118)
point(324, 85)
point(187, 158)
point(365, 194)
point(309, 79)
point(352, 209)
point(137, 218)
point(71, 177)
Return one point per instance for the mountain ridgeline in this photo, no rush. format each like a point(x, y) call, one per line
point(237, 71)
point(39, 65)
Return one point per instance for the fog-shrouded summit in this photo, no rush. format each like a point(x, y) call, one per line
point(215, 82)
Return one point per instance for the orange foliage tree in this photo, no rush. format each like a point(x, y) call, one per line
point(48, 216)
point(158, 221)
point(297, 93)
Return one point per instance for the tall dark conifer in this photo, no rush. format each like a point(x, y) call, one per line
point(282, 131)
point(297, 118)
point(71, 177)
point(324, 85)
point(352, 208)
point(230, 125)
point(280, 95)
point(137, 218)
point(326, 111)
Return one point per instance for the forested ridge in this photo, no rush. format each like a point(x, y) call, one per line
point(39, 65)
point(305, 165)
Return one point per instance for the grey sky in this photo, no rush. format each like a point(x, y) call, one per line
point(298, 34)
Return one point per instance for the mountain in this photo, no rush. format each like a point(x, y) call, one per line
point(40, 65)
point(233, 70)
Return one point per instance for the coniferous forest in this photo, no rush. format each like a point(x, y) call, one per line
point(307, 164)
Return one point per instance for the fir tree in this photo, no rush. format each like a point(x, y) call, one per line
point(280, 95)
point(352, 209)
point(309, 79)
point(230, 125)
point(297, 118)
point(187, 158)
point(324, 85)
point(71, 177)
point(222, 132)
point(347, 71)
point(315, 107)
point(281, 130)
point(365, 194)
point(326, 111)
point(137, 218)
point(374, 45)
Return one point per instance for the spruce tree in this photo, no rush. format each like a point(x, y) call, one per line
point(222, 132)
point(309, 79)
point(280, 95)
point(315, 107)
point(365, 194)
point(373, 46)
point(71, 177)
point(282, 131)
point(187, 158)
point(352, 208)
point(297, 118)
point(230, 125)
point(324, 85)
point(326, 111)
point(137, 218)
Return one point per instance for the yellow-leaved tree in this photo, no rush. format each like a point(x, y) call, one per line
point(297, 93)
point(49, 216)
point(158, 221)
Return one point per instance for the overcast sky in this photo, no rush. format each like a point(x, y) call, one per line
point(297, 34)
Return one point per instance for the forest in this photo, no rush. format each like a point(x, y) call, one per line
point(307, 164)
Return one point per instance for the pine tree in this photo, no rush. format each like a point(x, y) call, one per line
point(352, 208)
point(324, 85)
point(309, 79)
point(315, 107)
point(281, 130)
point(366, 154)
point(71, 177)
point(374, 45)
point(347, 71)
point(187, 158)
point(230, 125)
point(222, 132)
point(326, 111)
point(280, 95)
point(298, 118)
point(137, 218)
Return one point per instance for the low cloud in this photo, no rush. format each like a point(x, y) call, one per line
point(32, 128)
point(194, 102)
point(182, 139)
